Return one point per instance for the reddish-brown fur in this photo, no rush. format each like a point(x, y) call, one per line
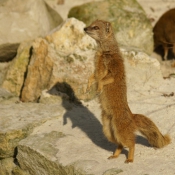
point(119, 124)
point(164, 32)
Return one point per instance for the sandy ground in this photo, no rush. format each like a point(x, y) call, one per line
point(147, 159)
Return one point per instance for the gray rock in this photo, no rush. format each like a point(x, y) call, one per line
point(131, 26)
point(6, 166)
point(19, 121)
point(142, 71)
point(4, 94)
point(26, 19)
point(3, 70)
point(15, 75)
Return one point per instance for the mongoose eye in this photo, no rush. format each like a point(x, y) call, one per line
point(96, 28)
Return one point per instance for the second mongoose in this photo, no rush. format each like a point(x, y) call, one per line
point(164, 32)
point(119, 124)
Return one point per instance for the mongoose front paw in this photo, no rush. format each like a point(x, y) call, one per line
point(128, 160)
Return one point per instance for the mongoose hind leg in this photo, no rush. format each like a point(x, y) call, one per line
point(106, 120)
point(117, 152)
point(130, 155)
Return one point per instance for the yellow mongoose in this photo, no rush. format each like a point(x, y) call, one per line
point(119, 124)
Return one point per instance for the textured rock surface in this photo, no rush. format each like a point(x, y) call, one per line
point(26, 19)
point(6, 166)
point(14, 78)
point(19, 121)
point(132, 27)
point(142, 71)
point(3, 70)
point(63, 56)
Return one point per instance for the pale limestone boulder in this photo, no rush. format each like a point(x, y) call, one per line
point(15, 75)
point(66, 55)
point(6, 166)
point(142, 71)
point(26, 19)
point(19, 119)
point(3, 70)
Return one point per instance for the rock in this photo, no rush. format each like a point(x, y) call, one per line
point(26, 19)
point(16, 73)
point(18, 171)
point(4, 94)
point(6, 166)
point(3, 70)
point(19, 121)
point(142, 71)
point(8, 51)
point(66, 55)
point(131, 26)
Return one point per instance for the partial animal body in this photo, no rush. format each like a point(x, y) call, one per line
point(119, 124)
point(164, 32)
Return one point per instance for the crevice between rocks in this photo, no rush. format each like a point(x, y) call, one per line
point(26, 72)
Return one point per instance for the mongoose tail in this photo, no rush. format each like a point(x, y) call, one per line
point(151, 131)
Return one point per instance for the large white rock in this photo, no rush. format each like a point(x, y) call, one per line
point(26, 19)
point(65, 55)
point(18, 120)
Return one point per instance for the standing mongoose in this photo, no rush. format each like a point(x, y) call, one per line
point(164, 32)
point(119, 124)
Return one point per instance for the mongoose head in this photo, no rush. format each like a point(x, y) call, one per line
point(99, 30)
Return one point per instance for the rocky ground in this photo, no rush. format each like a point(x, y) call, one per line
point(62, 137)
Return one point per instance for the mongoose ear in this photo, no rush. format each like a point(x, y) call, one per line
point(107, 27)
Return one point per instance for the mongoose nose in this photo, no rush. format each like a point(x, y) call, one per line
point(85, 29)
